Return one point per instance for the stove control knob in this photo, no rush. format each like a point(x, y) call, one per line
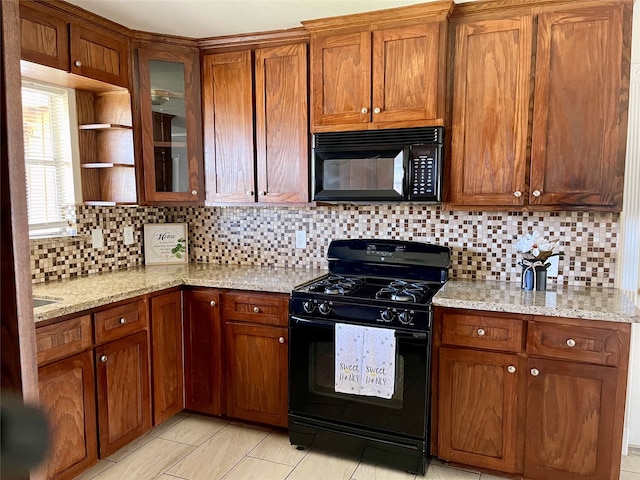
point(387, 315)
point(309, 306)
point(325, 308)
point(405, 317)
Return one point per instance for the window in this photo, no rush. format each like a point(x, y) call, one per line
point(48, 159)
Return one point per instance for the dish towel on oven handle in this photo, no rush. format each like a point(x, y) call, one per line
point(378, 362)
point(349, 341)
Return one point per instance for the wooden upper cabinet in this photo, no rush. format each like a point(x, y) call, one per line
point(44, 37)
point(491, 92)
point(228, 119)
point(169, 106)
point(282, 117)
point(580, 106)
point(383, 69)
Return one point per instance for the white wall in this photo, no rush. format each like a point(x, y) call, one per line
point(629, 272)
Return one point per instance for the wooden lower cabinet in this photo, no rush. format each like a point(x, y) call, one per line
point(123, 389)
point(166, 355)
point(67, 394)
point(257, 372)
point(479, 405)
point(203, 351)
point(570, 420)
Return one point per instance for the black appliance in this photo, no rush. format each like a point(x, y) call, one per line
point(378, 165)
point(379, 283)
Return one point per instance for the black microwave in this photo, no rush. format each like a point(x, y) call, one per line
point(378, 165)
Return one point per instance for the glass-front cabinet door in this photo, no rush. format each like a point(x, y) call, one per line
point(171, 132)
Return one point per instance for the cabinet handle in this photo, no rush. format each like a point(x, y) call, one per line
point(281, 340)
point(212, 303)
point(256, 310)
point(517, 194)
point(262, 193)
point(511, 369)
point(535, 372)
point(77, 63)
point(123, 321)
point(249, 192)
point(481, 332)
point(194, 192)
point(571, 342)
point(536, 193)
point(364, 110)
point(103, 358)
point(376, 110)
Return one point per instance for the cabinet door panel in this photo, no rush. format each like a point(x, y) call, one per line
point(407, 82)
point(479, 407)
point(167, 363)
point(491, 90)
point(282, 124)
point(203, 351)
point(341, 80)
point(44, 37)
point(570, 420)
point(228, 127)
point(124, 403)
point(257, 373)
point(578, 146)
point(67, 395)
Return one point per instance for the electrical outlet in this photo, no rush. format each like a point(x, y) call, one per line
point(128, 235)
point(97, 240)
point(301, 239)
point(552, 271)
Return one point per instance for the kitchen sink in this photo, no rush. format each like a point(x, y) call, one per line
point(41, 302)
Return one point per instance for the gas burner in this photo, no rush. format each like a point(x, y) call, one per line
point(402, 291)
point(337, 285)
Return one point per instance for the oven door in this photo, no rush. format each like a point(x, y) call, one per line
point(311, 382)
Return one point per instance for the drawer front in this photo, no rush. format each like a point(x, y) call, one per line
point(577, 343)
point(118, 322)
point(491, 333)
point(270, 309)
point(63, 339)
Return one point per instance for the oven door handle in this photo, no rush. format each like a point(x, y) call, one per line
point(331, 325)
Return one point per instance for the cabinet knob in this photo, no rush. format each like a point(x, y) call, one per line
point(481, 332)
point(536, 193)
point(517, 194)
point(376, 110)
point(103, 358)
point(256, 310)
point(364, 110)
point(123, 321)
point(511, 369)
point(571, 342)
point(262, 193)
point(281, 340)
point(212, 303)
point(194, 192)
point(77, 63)
point(535, 372)
point(249, 192)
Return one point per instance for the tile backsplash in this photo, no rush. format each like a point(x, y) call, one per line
point(482, 244)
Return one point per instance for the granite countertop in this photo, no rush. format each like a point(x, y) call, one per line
point(592, 303)
point(83, 293)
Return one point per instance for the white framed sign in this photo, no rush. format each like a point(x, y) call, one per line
point(165, 243)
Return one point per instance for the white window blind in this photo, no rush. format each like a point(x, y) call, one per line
point(48, 160)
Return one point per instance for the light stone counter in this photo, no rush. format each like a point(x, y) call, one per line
point(82, 293)
point(593, 303)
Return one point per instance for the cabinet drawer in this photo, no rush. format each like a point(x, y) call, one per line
point(577, 343)
point(118, 322)
point(491, 333)
point(271, 309)
point(63, 339)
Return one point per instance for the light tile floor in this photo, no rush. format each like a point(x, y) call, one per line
point(194, 447)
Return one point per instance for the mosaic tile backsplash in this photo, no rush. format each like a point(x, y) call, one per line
point(482, 244)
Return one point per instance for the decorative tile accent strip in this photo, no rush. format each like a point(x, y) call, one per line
point(482, 243)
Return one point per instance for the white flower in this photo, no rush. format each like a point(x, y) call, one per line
point(534, 246)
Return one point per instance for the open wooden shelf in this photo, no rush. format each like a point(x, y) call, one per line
point(106, 165)
point(104, 126)
point(170, 144)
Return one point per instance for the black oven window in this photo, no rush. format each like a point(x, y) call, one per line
point(378, 171)
point(322, 377)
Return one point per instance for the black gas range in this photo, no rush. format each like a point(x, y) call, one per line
point(379, 284)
